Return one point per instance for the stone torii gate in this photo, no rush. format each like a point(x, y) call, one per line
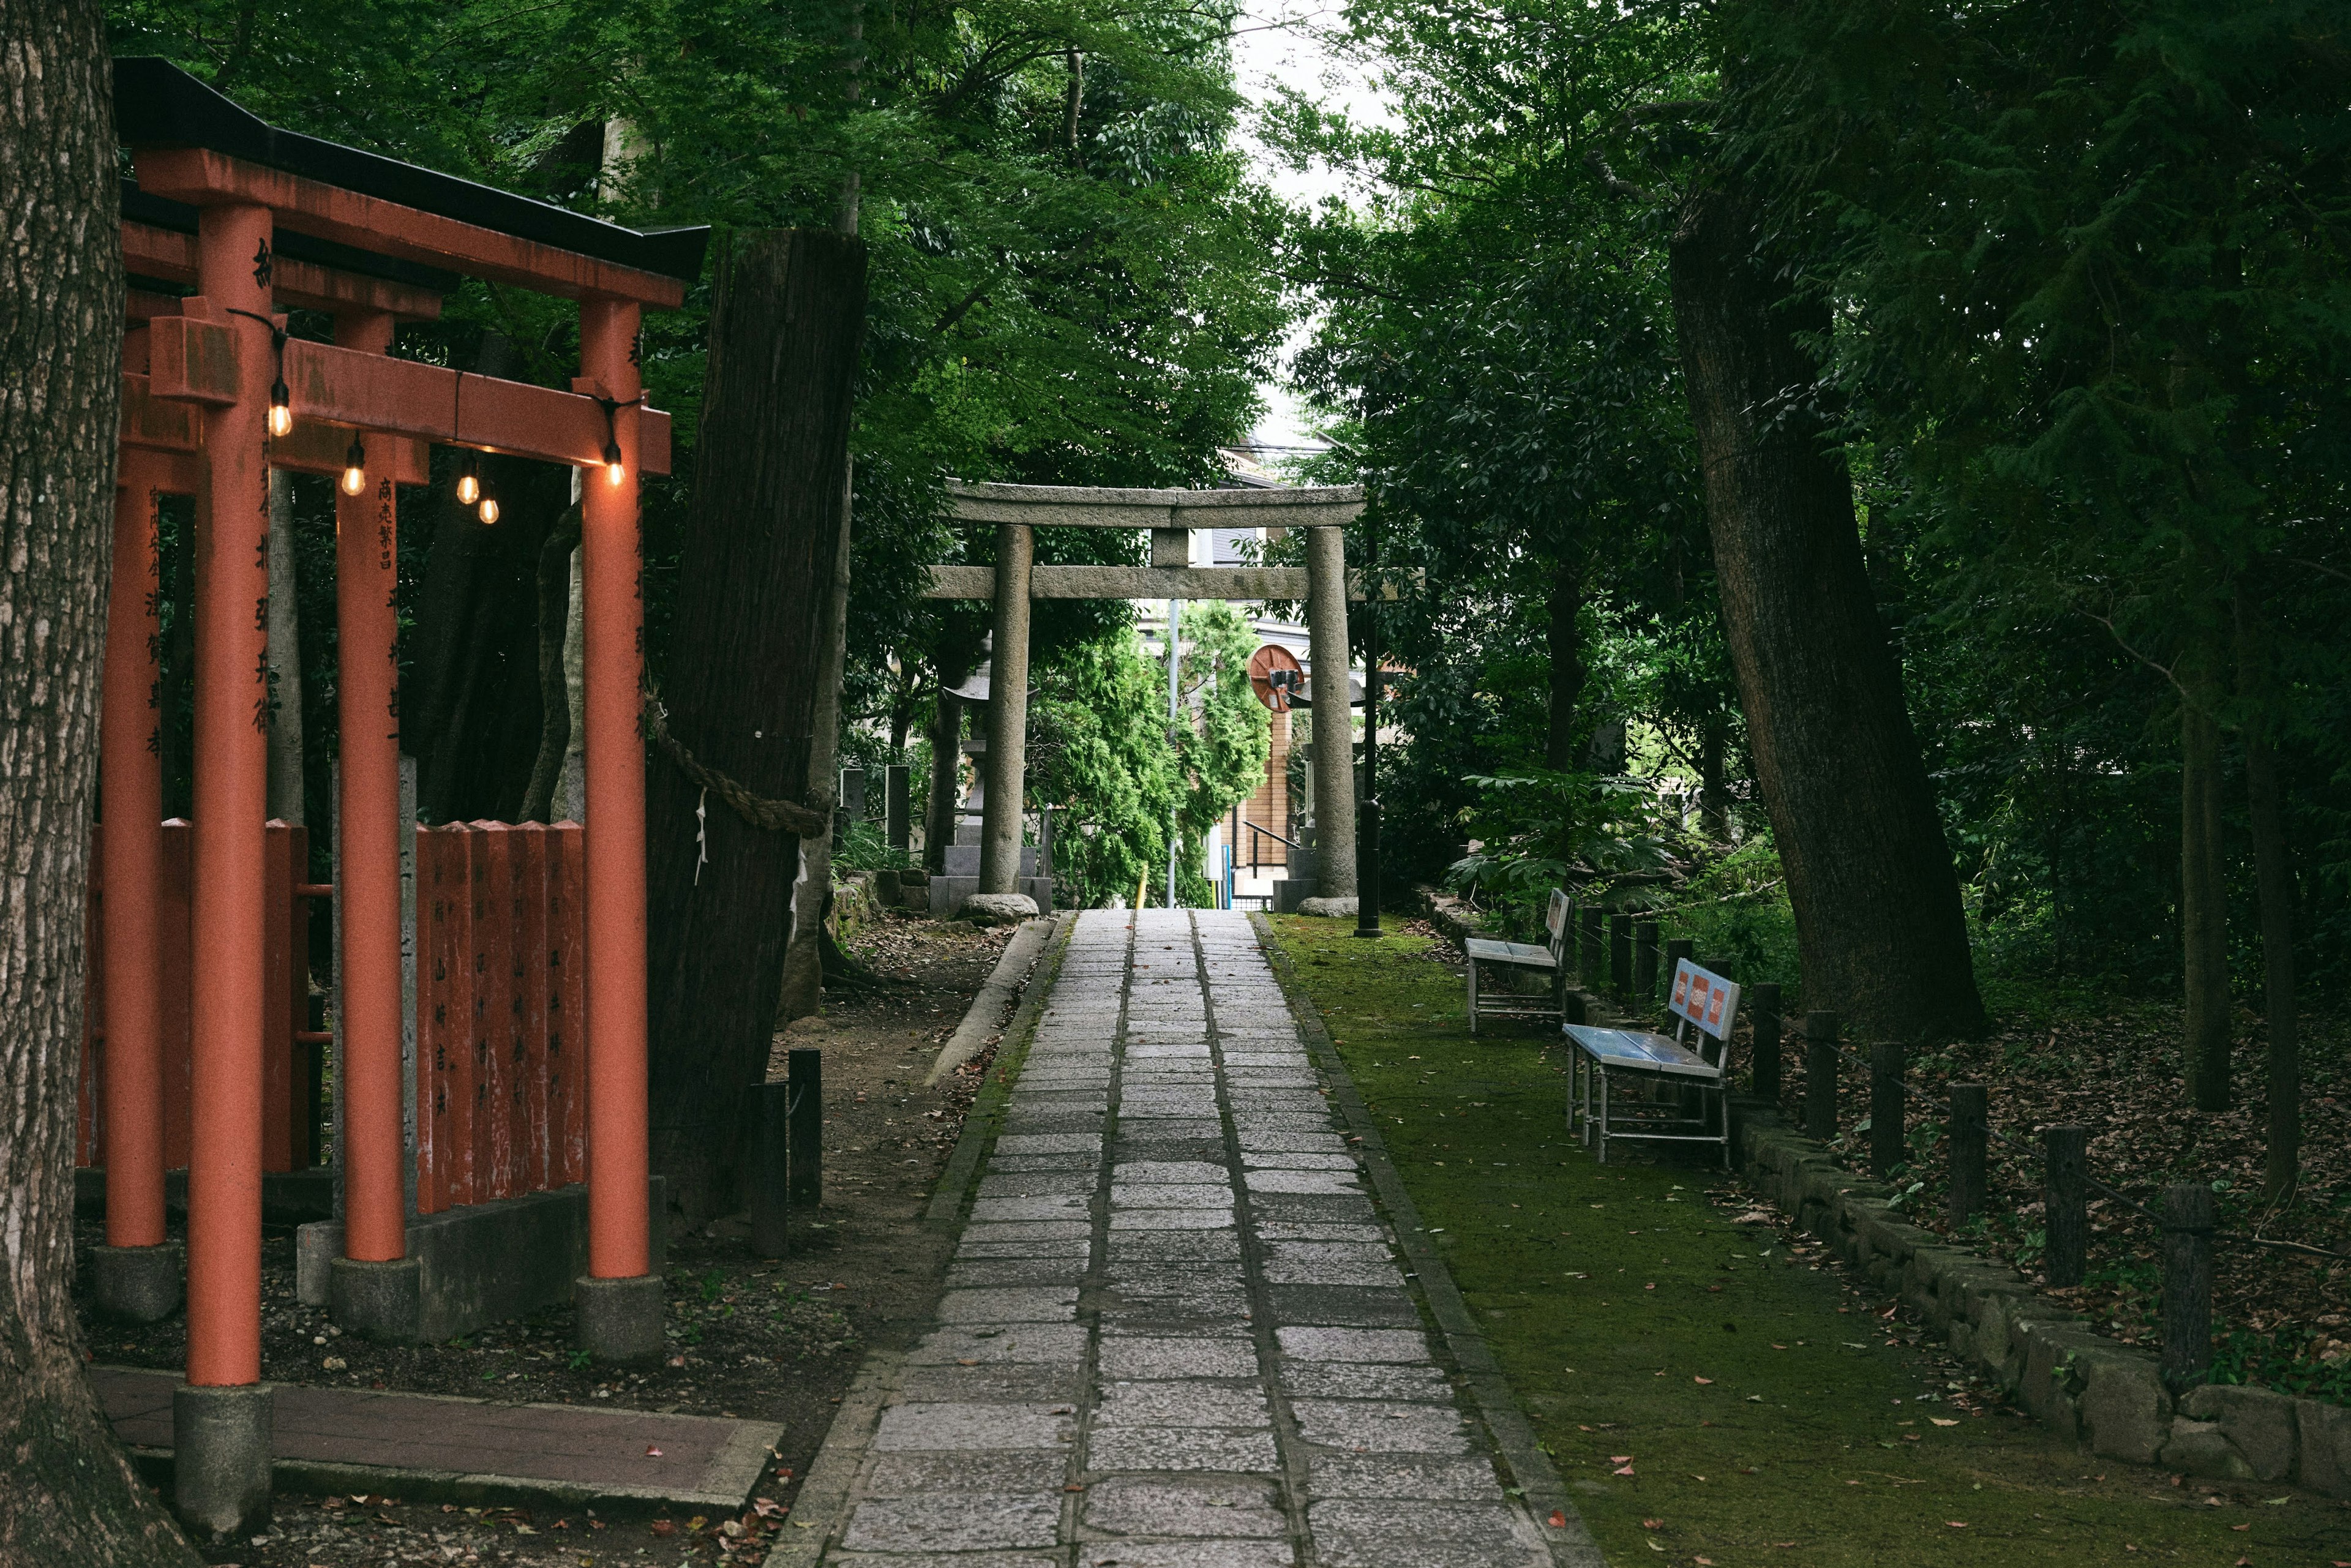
point(1017, 510)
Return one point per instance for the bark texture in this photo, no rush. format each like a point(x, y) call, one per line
point(68, 1495)
point(1877, 901)
point(755, 569)
point(806, 954)
point(2203, 900)
point(947, 763)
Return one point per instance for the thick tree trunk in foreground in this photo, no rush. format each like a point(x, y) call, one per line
point(804, 955)
point(741, 686)
point(1877, 901)
point(69, 1496)
point(1564, 644)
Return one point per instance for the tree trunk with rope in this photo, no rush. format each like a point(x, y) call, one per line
point(740, 691)
point(68, 1495)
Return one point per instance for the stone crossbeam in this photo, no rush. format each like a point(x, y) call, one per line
point(1088, 506)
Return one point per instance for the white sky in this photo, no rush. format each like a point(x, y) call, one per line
point(1278, 42)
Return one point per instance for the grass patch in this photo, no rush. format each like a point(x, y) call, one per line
point(1767, 1416)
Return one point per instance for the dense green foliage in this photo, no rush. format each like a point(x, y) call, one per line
point(2087, 266)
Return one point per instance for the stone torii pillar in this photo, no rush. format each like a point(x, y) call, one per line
point(1334, 725)
point(1008, 712)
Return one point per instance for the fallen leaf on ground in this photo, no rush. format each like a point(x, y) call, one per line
point(1701, 1380)
point(652, 1451)
point(1653, 1525)
point(1942, 1420)
point(1621, 1470)
point(1559, 1518)
point(1957, 1523)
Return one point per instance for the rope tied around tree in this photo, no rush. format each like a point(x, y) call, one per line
point(809, 821)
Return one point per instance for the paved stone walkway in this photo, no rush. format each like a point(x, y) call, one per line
point(1175, 1334)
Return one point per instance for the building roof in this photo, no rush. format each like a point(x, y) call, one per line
point(157, 104)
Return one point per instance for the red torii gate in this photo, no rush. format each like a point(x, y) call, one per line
point(214, 394)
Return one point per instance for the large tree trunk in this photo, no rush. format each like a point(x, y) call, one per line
point(2274, 878)
point(69, 1496)
point(753, 576)
point(804, 955)
point(2203, 900)
point(1878, 924)
point(1564, 643)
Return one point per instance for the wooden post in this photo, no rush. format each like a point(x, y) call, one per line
point(1821, 1075)
point(1763, 1018)
point(1888, 1110)
point(2066, 1204)
point(771, 1172)
point(2187, 1220)
point(1620, 958)
point(613, 623)
point(1645, 962)
point(1970, 1138)
point(804, 1076)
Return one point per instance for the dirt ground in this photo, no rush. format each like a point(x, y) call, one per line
point(778, 1341)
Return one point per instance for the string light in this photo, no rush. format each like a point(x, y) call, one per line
point(469, 481)
point(614, 469)
point(355, 468)
point(489, 510)
point(281, 410)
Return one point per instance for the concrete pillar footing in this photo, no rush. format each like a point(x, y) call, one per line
point(621, 1320)
point(137, 1284)
point(378, 1300)
point(220, 1459)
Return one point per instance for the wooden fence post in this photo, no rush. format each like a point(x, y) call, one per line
point(1645, 961)
point(2187, 1218)
point(1971, 1136)
point(1820, 1075)
point(2067, 1202)
point(1888, 1110)
point(804, 1074)
point(1679, 948)
point(771, 1172)
point(1620, 958)
point(1763, 1018)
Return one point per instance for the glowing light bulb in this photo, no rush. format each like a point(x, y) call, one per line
point(469, 485)
point(355, 469)
point(281, 413)
point(614, 469)
point(489, 509)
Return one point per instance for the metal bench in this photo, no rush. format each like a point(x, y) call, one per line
point(1524, 958)
point(1670, 1071)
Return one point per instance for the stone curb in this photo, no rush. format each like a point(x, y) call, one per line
point(971, 1037)
point(2107, 1395)
point(1542, 1491)
point(978, 1126)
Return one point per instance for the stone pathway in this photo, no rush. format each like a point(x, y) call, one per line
point(1175, 1335)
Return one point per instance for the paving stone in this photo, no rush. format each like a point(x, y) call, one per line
point(1185, 1403)
point(969, 1274)
point(1352, 1344)
point(1346, 1306)
point(1029, 1231)
point(1272, 1230)
point(1419, 1534)
point(1312, 1208)
point(1281, 1122)
point(1388, 1476)
point(1060, 1205)
point(1033, 1343)
point(1183, 1554)
point(925, 1560)
point(1039, 1184)
point(1156, 1356)
point(918, 1475)
point(1301, 1162)
point(1168, 1195)
point(1164, 1129)
point(1171, 1245)
point(1180, 1449)
point(1329, 1263)
point(973, 1248)
point(1290, 1142)
point(1374, 1427)
point(968, 1522)
point(994, 1383)
point(1047, 1143)
point(1182, 1173)
point(1359, 1380)
point(1013, 1304)
point(1209, 1506)
point(1262, 1181)
point(1170, 1219)
point(974, 1426)
point(1002, 1164)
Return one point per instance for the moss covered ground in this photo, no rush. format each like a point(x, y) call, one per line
point(1710, 1395)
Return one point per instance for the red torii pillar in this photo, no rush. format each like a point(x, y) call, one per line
point(221, 1415)
point(136, 1274)
point(620, 1310)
